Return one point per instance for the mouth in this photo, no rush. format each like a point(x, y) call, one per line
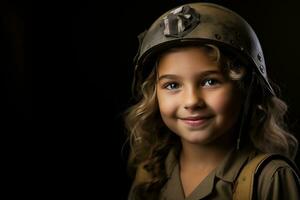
point(196, 121)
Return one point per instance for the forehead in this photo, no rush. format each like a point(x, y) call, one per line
point(188, 60)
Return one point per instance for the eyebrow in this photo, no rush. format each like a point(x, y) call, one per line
point(173, 76)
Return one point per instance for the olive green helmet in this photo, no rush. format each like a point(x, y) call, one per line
point(198, 23)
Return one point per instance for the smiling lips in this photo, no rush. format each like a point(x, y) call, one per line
point(196, 121)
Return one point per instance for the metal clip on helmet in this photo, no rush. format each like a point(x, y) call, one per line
point(201, 23)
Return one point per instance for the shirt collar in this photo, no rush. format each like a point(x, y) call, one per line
point(228, 169)
point(233, 163)
point(175, 191)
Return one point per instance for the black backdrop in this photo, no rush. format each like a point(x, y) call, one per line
point(82, 72)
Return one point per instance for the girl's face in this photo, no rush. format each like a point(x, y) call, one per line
point(196, 100)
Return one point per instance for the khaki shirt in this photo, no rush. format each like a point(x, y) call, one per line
point(277, 179)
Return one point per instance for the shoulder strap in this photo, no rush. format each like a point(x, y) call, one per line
point(244, 183)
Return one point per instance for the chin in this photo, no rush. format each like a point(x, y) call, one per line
point(200, 138)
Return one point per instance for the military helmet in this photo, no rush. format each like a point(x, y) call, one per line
point(201, 23)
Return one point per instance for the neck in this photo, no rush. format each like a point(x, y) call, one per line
point(203, 155)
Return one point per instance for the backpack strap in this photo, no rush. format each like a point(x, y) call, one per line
point(243, 189)
point(244, 183)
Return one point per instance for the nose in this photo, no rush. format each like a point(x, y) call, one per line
point(193, 99)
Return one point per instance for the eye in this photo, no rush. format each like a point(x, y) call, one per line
point(210, 82)
point(171, 86)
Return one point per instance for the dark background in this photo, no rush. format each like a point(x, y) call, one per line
point(16, 76)
point(82, 59)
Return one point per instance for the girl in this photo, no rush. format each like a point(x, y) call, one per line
point(205, 109)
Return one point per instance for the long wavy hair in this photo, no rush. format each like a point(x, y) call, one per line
point(151, 141)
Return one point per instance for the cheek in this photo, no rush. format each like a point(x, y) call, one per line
point(167, 106)
point(225, 103)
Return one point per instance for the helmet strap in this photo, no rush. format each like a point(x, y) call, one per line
point(245, 111)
